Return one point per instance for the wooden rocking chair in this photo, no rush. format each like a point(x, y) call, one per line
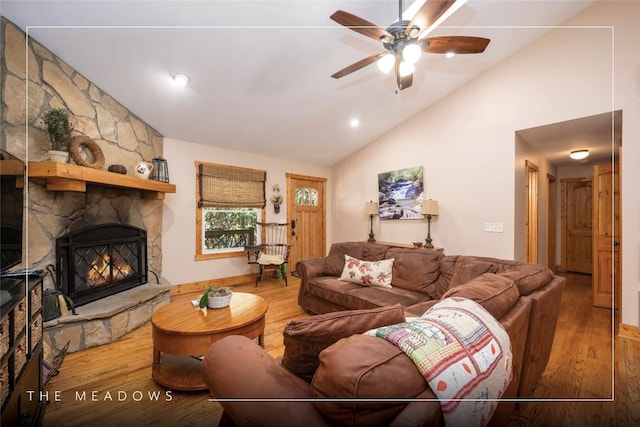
point(273, 254)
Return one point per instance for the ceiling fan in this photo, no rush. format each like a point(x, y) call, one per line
point(401, 40)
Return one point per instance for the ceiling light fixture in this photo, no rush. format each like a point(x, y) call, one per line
point(386, 62)
point(411, 53)
point(181, 79)
point(406, 68)
point(450, 54)
point(354, 123)
point(579, 154)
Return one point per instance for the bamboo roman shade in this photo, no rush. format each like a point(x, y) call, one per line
point(225, 186)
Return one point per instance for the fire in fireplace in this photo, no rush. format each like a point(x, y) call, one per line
point(102, 260)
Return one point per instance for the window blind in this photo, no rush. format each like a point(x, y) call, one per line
point(227, 186)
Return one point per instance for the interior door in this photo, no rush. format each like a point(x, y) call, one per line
point(551, 222)
point(306, 213)
point(579, 232)
point(606, 235)
point(532, 212)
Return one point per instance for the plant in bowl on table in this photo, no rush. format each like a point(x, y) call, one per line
point(215, 298)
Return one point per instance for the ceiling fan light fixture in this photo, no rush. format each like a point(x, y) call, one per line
point(406, 68)
point(579, 154)
point(385, 63)
point(181, 79)
point(411, 53)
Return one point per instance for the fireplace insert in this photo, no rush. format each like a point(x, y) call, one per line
point(102, 260)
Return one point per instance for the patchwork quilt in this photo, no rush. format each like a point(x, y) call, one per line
point(464, 354)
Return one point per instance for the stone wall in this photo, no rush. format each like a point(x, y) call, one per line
point(47, 82)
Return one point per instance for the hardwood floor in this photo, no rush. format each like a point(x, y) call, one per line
point(579, 386)
point(579, 369)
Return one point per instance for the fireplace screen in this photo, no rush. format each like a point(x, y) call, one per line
point(99, 261)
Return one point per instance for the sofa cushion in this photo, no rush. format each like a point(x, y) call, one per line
point(529, 277)
point(496, 293)
point(466, 271)
point(368, 273)
point(365, 367)
point(386, 296)
point(415, 269)
point(361, 250)
point(335, 292)
point(305, 338)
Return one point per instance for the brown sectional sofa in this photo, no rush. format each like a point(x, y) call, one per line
point(326, 356)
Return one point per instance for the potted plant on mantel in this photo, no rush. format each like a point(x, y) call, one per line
point(59, 130)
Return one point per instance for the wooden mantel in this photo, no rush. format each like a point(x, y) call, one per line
point(68, 177)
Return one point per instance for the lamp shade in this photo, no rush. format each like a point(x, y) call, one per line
point(429, 207)
point(371, 208)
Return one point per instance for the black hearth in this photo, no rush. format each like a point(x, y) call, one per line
point(102, 260)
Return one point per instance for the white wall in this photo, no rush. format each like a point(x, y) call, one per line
point(466, 141)
point(179, 227)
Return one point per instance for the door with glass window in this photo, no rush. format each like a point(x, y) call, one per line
point(306, 213)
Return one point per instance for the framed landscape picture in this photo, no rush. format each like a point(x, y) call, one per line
point(400, 193)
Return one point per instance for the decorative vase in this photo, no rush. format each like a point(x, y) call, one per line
point(58, 156)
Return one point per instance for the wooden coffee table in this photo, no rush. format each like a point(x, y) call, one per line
point(181, 331)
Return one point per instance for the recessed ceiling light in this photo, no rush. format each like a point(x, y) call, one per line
point(450, 54)
point(354, 123)
point(181, 79)
point(579, 154)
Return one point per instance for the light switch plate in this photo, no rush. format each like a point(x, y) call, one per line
point(493, 227)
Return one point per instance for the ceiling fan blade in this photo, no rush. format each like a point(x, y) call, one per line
point(429, 13)
point(358, 65)
point(360, 25)
point(402, 82)
point(454, 44)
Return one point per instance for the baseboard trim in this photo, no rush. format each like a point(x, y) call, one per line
point(629, 332)
point(191, 287)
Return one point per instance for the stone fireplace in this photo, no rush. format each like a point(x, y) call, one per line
point(124, 139)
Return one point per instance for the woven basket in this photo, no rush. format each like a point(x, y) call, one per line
point(19, 316)
point(219, 302)
point(20, 357)
point(4, 381)
point(36, 300)
point(4, 335)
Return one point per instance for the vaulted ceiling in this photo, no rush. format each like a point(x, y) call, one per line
point(260, 70)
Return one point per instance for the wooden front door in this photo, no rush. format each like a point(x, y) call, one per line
point(606, 236)
point(578, 232)
point(306, 213)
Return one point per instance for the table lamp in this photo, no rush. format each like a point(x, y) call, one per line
point(371, 209)
point(429, 208)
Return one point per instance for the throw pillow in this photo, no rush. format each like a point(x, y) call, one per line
point(305, 338)
point(470, 270)
point(368, 273)
point(496, 293)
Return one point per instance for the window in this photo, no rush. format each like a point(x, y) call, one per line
point(230, 201)
point(229, 229)
point(306, 196)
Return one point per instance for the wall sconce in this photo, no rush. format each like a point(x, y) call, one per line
point(276, 198)
point(371, 209)
point(429, 208)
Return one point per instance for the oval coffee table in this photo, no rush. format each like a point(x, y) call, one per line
point(180, 331)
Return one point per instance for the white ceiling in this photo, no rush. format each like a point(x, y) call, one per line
point(260, 70)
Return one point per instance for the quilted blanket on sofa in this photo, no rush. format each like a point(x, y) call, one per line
point(463, 353)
